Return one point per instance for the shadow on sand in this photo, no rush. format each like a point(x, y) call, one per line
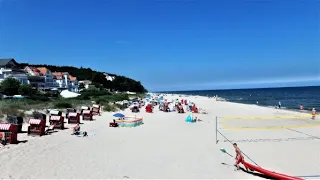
point(250, 172)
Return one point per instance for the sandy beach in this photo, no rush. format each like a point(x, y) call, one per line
point(165, 146)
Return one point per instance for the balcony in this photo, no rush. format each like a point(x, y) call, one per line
point(36, 79)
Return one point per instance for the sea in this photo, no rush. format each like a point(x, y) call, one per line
point(289, 97)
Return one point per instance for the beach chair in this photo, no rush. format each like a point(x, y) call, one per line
point(96, 109)
point(84, 108)
point(113, 124)
point(87, 115)
point(36, 127)
point(70, 110)
point(74, 118)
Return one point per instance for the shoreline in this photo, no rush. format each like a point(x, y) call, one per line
point(222, 99)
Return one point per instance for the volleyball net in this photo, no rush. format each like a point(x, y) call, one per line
point(241, 128)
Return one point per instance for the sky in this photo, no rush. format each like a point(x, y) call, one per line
point(171, 44)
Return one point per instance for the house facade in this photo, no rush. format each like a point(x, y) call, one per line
point(66, 81)
point(37, 77)
point(74, 84)
point(42, 78)
point(61, 79)
point(86, 83)
point(49, 78)
point(9, 68)
point(109, 77)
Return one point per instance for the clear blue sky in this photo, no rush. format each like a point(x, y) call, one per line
point(171, 44)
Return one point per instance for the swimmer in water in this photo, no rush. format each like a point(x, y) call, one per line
point(301, 107)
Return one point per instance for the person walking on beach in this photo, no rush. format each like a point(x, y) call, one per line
point(279, 105)
point(313, 113)
point(239, 158)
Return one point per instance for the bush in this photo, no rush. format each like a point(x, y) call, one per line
point(11, 111)
point(52, 94)
point(83, 96)
point(62, 105)
point(101, 100)
point(110, 108)
point(37, 115)
point(10, 86)
point(39, 97)
point(94, 92)
point(26, 90)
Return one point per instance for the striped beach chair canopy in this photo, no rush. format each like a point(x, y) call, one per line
point(5, 127)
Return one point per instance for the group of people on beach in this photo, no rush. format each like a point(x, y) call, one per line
point(313, 111)
point(301, 108)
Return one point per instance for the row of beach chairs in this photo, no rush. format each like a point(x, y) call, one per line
point(37, 124)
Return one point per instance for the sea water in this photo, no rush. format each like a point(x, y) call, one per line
point(290, 97)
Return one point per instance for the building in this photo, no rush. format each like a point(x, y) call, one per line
point(86, 83)
point(36, 79)
point(49, 78)
point(66, 81)
point(42, 78)
point(74, 84)
point(109, 77)
point(9, 68)
point(62, 79)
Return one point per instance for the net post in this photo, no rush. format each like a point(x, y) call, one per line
point(216, 129)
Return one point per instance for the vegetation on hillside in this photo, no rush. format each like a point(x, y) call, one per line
point(120, 83)
point(38, 100)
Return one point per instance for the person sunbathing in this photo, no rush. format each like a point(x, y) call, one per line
point(76, 130)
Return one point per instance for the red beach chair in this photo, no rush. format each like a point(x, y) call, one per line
point(194, 109)
point(10, 132)
point(74, 118)
point(149, 108)
point(87, 115)
point(37, 127)
point(96, 109)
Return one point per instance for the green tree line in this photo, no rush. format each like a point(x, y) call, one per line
point(120, 83)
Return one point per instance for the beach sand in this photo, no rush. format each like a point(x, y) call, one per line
point(165, 146)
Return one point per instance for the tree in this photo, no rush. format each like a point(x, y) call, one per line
point(26, 90)
point(10, 86)
point(120, 83)
point(81, 86)
point(99, 78)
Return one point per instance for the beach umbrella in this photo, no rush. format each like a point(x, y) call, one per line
point(119, 115)
point(225, 151)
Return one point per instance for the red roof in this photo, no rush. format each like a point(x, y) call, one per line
point(72, 78)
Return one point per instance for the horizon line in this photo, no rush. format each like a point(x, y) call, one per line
point(236, 89)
